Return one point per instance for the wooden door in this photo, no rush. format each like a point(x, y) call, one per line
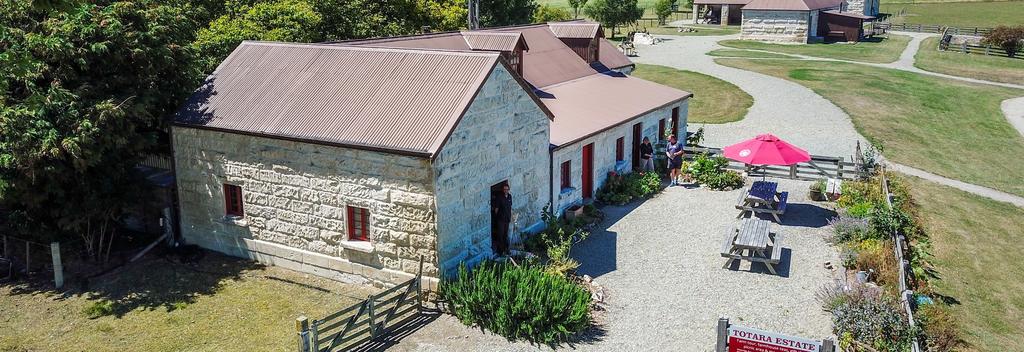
point(638, 135)
point(588, 171)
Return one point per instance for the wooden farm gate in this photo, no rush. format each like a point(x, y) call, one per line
point(819, 167)
point(362, 322)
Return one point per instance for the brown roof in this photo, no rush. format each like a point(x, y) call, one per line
point(396, 100)
point(444, 40)
point(792, 5)
point(589, 105)
point(721, 2)
point(610, 56)
point(575, 29)
point(849, 14)
point(549, 60)
point(479, 40)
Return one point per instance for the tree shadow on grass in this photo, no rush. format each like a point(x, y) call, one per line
point(161, 281)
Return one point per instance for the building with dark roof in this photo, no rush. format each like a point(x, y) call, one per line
point(789, 21)
point(355, 159)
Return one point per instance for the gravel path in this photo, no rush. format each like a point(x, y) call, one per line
point(1014, 111)
point(660, 265)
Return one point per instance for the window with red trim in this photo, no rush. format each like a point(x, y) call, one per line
point(233, 200)
point(567, 174)
point(661, 129)
point(358, 224)
point(620, 145)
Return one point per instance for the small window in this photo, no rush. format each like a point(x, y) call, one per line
point(358, 224)
point(620, 145)
point(661, 129)
point(233, 200)
point(567, 174)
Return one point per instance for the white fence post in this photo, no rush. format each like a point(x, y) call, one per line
point(58, 266)
point(723, 335)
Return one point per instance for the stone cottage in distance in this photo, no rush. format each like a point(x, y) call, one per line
point(352, 161)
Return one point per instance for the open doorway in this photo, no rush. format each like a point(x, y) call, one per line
point(501, 217)
point(638, 135)
point(588, 171)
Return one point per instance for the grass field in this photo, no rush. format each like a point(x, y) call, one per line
point(951, 128)
point(882, 51)
point(959, 14)
point(989, 68)
point(714, 101)
point(158, 305)
point(974, 241)
point(746, 53)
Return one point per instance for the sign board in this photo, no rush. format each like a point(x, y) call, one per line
point(744, 339)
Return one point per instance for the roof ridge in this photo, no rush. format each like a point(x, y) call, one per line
point(372, 48)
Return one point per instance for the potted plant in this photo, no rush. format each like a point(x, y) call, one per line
point(574, 212)
point(817, 192)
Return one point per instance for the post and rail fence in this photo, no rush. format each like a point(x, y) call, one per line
point(900, 243)
point(362, 322)
point(817, 168)
point(933, 28)
point(37, 256)
point(945, 44)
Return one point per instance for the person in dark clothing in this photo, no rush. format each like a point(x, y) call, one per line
point(646, 155)
point(501, 215)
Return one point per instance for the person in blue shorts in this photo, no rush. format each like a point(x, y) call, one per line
point(674, 152)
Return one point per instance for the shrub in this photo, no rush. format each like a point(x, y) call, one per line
point(555, 230)
point(846, 229)
point(860, 210)
point(710, 171)
point(518, 302)
point(940, 328)
point(876, 256)
point(621, 189)
point(854, 192)
point(888, 221)
point(868, 317)
point(559, 246)
point(1008, 38)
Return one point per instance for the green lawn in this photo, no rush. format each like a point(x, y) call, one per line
point(976, 248)
point(881, 51)
point(746, 53)
point(230, 305)
point(714, 100)
point(951, 128)
point(990, 68)
point(959, 14)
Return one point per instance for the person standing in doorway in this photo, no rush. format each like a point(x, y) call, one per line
point(646, 155)
point(674, 152)
point(501, 213)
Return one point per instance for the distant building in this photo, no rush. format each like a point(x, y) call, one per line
point(354, 159)
point(790, 21)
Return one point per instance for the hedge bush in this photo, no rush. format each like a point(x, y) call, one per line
point(710, 171)
point(518, 302)
point(867, 316)
point(621, 189)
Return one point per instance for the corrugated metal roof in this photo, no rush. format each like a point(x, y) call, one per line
point(549, 60)
point(479, 40)
point(595, 103)
point(575, 29)
point(398, 100)
point(610, 56)
point(445, 40)
point(792, 5)
point(721, 2)
point(849, 14)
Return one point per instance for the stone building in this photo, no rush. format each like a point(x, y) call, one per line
point(353, 160)
point(785, 21)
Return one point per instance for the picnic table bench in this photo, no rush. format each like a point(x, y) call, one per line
point(762, 197)
point(750, 241)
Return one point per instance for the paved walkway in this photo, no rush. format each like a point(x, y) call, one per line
point(796, 113)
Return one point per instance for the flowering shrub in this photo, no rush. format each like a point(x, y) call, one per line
point(867, 316)
point(847, 229)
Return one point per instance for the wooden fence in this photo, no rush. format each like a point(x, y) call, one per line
point(37, 257)
point(363, 322)
point(900, 243)
point(945, 45)
point(933, 28)
point(819, 167)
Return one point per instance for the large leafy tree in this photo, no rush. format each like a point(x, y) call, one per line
point(495, 13)
point(548, 13)
point(614, 13)
point(83, 94)
point(285, 21)
point(663, 8)
point(576, 5)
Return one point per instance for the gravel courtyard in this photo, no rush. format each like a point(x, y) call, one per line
point(660, 265)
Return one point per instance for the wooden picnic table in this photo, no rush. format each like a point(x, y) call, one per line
point(750, 241)
point(762, 197)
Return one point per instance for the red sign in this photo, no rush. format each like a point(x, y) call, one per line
point(744, 339)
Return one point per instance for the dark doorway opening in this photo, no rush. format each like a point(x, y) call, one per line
point(638, 135)
point(588, 171)
point(500, 218)
point(675, 122)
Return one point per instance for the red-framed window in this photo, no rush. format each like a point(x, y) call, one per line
point(567, 174)
point(661, 129)
point(233, 200)
point(358, 224)
point(620, 146)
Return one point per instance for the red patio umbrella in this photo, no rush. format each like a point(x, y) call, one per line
point(766, 149)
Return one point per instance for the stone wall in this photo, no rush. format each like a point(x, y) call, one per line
point(775, 26)
point(857, 6)
point(504, 135)
point(604, 153)
point(295, 195)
